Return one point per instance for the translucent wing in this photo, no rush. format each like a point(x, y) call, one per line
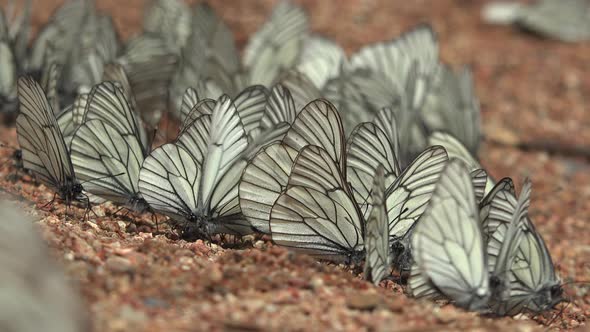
point(108, 162)
point(534, 284)
point(395, 58)
point(479, 178)
point(369, 148)
point(318, 217)
point(277, 44)
point(49, 81)
point(264, 179)
point(108, 103)
point(377, 259)
point(8, 91)
point(115, 72)
point(251, 104)
point(387, 122)
point(302, 89)
point(169, 181)
point(408, 196)
point(456, 149)
point(203, 107)
point(43, 148)
point(280, 107)
point(150, 66)
point(171, 19)
point(502, 248)
point(190, 99)
point(406, 200)
point(498, 206)
point(359, 94)
point(61, 32)
point(447, 243)
point(318, 124)
point(321, 60)
point(216, 40)
point(452, 107)
point(567, 21)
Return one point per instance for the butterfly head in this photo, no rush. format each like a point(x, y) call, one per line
point(356, 257)
point(138, 203)
point(401, 255)
point(196, 227)
point(549, 296)
point(71, 190)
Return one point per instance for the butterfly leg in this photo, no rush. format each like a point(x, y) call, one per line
point(44, 206)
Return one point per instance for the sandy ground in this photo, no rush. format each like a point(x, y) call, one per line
point(534, 92)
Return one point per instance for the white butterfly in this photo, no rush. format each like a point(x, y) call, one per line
point(194, 180)
point(377, 247)
point(452, 258)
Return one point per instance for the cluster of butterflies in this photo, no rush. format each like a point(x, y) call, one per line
point(367, 158)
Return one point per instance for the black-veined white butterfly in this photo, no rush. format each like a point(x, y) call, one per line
point(277, 45)
point(267, 174)
point(531, 284)
point(43, 148)
point(503, 244)
point(377, 248)
point(321, 60)
point(171, 19)
point(109, 157)
point(452, 107)
point(452, 257)
point(317, 213)
point(447, 244)
point(8, 78)
point(194, 180)
point(456, 149)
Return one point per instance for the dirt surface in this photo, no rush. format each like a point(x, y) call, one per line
point(534, 93)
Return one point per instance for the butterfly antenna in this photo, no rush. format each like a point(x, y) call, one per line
point(560, 314)
point(44, 206)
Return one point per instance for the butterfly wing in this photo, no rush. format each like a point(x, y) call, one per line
point(107, 161)
point(369, 147)
point(277, 44)
point(316, 214)
point(456, 149)
point(377, 259)
point(42, 143)
point(169, 181)
point(317, 124)
point(108, 103)
point(321, 60)
point(447, 242)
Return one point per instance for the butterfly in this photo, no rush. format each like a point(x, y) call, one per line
point(107, 149)
point(452, 107)
point(194, 180)
point(267, 173)
point(452, 258)
point(8, 78)
point(321, 60)
point(532, 284)
point(170, 19)
point(448, 246)
point(377, 247)
point(277, 45)
point(456, 149)
point(44, 151)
